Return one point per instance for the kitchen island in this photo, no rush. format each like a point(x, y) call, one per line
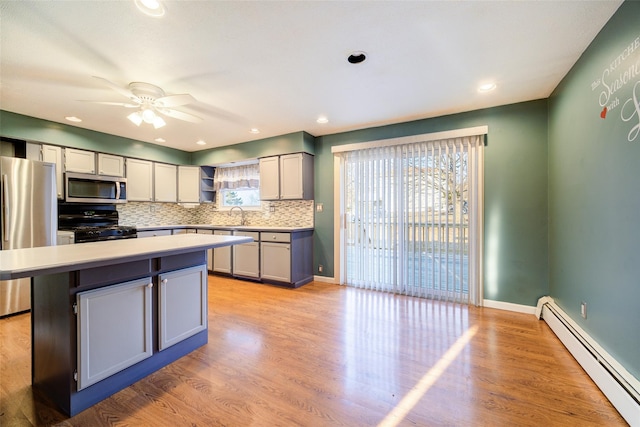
point(107, 314)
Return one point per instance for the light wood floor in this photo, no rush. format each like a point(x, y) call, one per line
point(325, 355)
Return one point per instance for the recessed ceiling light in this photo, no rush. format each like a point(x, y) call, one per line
point(254, 130)
point(73, 119)
point(201, 142)
point(322, 120)
point(150, 7)
point(486, 87)
point(160, 140)
point(357, 57)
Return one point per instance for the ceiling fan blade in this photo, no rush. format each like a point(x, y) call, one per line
point(180, 115)
point(121, 104)
point(174, 100)
point(122, 91)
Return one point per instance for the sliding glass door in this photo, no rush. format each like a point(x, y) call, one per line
point(412, 218)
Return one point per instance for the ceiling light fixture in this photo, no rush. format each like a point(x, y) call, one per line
point(160, 140)
point(357, 57)
point(73, 119)
point(322, 120)
point(486, 87)
point(146, 115)
point(150, 7)
point(254, 130)
point(201, 142)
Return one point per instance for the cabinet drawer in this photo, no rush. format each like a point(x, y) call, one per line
point(275, 237)
point(153, 233)
point(91, 277)
point(253, 234)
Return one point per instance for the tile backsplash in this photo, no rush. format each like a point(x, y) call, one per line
point(290, 213)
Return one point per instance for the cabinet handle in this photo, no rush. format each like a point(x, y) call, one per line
point(150, 285)
point(5, 183)
point(165, 281)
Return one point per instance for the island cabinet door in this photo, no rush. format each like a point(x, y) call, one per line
point(114, 329)
point(182, 301)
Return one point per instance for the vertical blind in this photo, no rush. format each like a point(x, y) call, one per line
point(413, 218)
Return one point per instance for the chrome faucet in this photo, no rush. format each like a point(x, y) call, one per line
point(242, 220)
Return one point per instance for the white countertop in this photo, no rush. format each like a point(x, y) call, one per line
point(17, 263)
point(225, 227)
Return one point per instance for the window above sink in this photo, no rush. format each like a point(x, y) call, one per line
point(238, 186)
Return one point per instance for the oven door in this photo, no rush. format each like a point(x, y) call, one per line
point(87, 188)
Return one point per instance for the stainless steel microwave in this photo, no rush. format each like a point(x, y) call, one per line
point(87, 188)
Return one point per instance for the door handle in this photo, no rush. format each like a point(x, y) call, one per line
point(5, 195)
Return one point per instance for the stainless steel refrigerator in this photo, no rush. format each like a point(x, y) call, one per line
point(28, 219)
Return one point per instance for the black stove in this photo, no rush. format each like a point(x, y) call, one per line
point(93, 223)
point(96, 234)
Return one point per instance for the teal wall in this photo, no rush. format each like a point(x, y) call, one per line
point(515, 194)
point(594, 189)
point(32, 129)
point(283, 144)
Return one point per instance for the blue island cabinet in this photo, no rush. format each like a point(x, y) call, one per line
point(98, 330)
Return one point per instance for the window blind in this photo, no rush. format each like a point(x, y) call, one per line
point(413, 217)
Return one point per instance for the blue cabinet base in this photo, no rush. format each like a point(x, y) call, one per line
point(89, 396)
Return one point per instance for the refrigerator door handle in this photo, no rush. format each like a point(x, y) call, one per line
point(5, 217)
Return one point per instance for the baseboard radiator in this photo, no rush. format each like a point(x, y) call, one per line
point(621, 388)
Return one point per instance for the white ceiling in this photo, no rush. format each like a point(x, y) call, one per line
point(277, 66)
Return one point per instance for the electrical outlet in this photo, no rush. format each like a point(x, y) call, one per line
point(152, 209)
point(272, 208)
point(319, 207)
point(320, 268)
point(583, 309)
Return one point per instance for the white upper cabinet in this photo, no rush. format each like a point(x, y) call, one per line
point(188, 184)
point(286, 177)
point(270, 178)
point(165, 184)
point(53, 154)
point(139, 180)
point(296, 176)
point(110, 165)
point(79, 161)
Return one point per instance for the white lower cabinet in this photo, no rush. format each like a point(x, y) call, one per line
point(246, 257)
point(114, 329)
point(222, 256)
point(276, 261)
point(182, 304)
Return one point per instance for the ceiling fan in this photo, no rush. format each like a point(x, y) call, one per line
point(151, 102)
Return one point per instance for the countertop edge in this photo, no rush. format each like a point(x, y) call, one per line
point(225, 227)
point(20, 263)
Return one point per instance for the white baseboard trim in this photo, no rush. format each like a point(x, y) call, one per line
point(621, 388)
point(519, 308)
point(324, 279)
